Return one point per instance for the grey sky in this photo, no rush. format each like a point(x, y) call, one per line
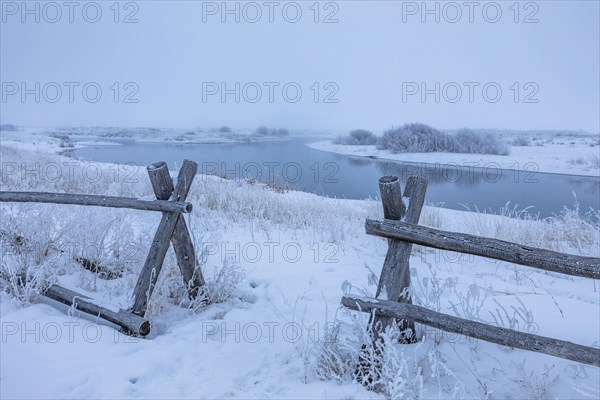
point(371, 61)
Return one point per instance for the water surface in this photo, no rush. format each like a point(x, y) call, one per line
point(290, 163)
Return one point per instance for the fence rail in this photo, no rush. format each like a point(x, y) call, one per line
point(393, 302)
point(477, 330)
point(568, 264)
point(96, 200)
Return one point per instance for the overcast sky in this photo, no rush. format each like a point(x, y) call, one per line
point(338, 65)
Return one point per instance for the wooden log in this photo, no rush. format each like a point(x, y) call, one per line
point(102, 271)
point(391, 197)
point(161, 181)
point(96, 200)
point(392, 279)
point(547, 260)
point(181, 240)
point(160, 244)
point(414, 191)
point(394, 282)
point(477, 330)
point(131, 323)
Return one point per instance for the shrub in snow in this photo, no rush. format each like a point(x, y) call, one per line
point(577, 161)
point(282, 132)
point(357, 137)
point(521, 141)
point(28, 257)
point(20, 277)
point(421, 138)
point(470, 141)
point(415, 138)
point(392, 369)
point(65, 140)
point(222, 285)
point(224, 129)
point(8, 128)
point(262, 131)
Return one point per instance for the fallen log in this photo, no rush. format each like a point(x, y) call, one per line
point(131, 323)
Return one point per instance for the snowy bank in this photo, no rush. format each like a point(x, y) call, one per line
point(278, 264)
point(573, 155)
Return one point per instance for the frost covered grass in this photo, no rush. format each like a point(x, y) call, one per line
point(570, 231)
point(591, 161)
point(213, 338)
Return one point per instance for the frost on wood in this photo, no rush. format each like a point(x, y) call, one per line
point(163, 236)
point(478, 330)
point(548, 260)
point(395, 276)
point(96, 200)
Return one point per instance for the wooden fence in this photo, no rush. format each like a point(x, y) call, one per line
point(392, 302)
point(170, 200)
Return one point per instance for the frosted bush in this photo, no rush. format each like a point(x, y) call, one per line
point(521, 141)
point(415, 138)
point(421, 138)
point(469, 141)
point(358, 137)
point(221, 286)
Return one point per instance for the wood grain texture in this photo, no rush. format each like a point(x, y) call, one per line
point(160, 244)
point(478, 330)
point(547, 260)
point(131, 323)
point(96, 200)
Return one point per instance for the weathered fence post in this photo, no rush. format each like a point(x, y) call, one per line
point(401, 228)
point(160, 244)
point(394, 283)
point(162, 184)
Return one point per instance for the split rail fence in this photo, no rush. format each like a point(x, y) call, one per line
point(393, 303)
point(172, 229)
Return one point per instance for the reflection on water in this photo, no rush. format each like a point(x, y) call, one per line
point(293, 164)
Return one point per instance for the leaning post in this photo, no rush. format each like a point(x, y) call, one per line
point(162, 184)
point(160, 244)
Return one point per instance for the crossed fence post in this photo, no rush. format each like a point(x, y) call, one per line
point(172, 229)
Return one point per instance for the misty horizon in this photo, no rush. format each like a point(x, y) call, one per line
point(338, 66)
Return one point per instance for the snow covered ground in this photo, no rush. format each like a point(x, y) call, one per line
point(554, 153)
point(278, 263)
